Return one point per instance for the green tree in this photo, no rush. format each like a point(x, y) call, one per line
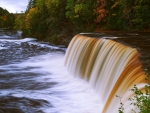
point(140, 14)
point(42, 16)
point(80, 12)
point(115, 14)
point(31, 4)
point(6, 19)
point(128, 14)
point(56, 20)
point(141, 99)
point(20, 22)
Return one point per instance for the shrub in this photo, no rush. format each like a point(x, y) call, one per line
point(141, 99)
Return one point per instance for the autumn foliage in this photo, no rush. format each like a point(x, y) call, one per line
point(100, 11)
point(6, 19)
point(44, 19)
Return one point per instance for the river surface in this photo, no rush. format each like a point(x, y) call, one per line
point(33, 78)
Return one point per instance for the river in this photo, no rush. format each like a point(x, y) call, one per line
point(33, 78)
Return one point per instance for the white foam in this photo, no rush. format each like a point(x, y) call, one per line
point(18, 40)
point(1, 48)
point(27, 39)
point(70, 95)
point(110, 37)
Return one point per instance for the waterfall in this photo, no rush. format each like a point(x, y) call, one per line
point(109, 67)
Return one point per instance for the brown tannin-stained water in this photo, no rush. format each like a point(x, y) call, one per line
point(33, 78)
point(110, 66)
point(140, 41)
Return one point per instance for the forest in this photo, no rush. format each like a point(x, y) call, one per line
point(6, 19)
point(58, 20)
point(54, 20)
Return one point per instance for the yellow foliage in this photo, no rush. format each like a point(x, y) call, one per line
point(116, 3)
point(77, 8)
point(29, 17)
point(52, 3)
point(114, 14)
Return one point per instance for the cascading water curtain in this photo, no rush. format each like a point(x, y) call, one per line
point(109, 67)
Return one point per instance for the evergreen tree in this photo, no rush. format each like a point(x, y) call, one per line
point(6, 19)
point(31, 4)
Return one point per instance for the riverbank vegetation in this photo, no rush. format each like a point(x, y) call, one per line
point(55, 20)
point(6, 19)
point(140, 102)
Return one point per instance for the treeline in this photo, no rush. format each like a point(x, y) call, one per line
point(53, 19)
point(6, 19)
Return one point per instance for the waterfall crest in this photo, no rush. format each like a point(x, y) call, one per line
point(109, 67)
